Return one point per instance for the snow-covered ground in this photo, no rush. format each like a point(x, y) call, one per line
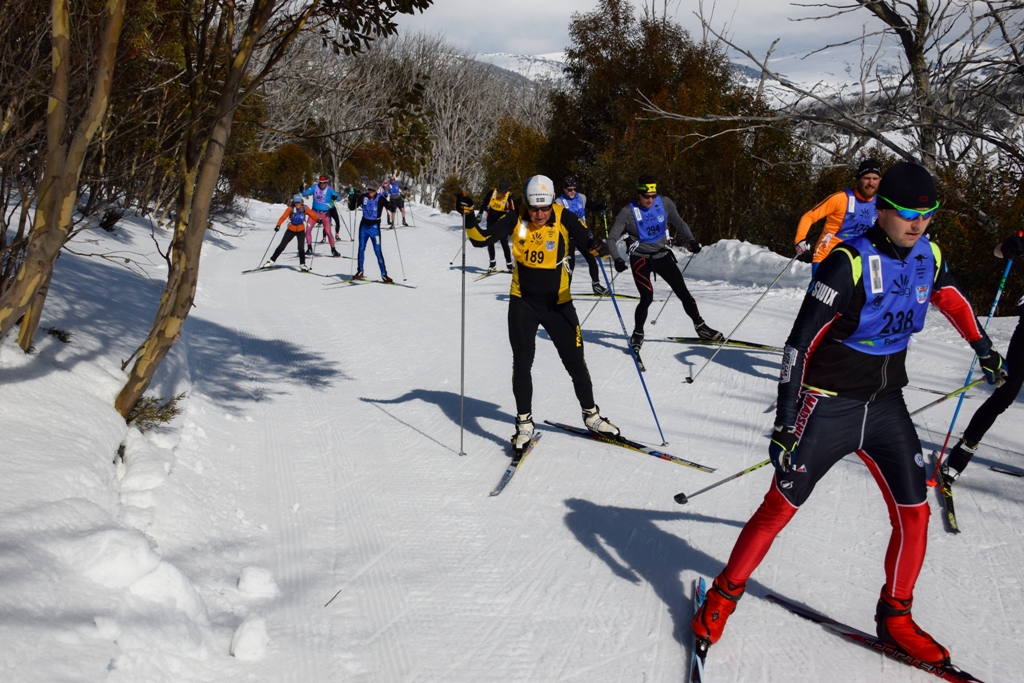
point(308, 517)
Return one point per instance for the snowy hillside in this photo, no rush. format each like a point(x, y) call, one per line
point(534, 67)
point(308, 518)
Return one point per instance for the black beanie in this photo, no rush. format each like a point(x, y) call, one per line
point(908, 185)
point(869, 166)
point(503, 186)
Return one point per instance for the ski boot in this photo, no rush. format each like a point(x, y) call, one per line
point(386, 280)
point(958, 458)
point(524, 432)
point(305, 268)
point(707, 333)
point(492, 267)
point(599, 425)
point(896, 626)
point(508, 266)
point(720, 602)
point(358, 275)
point(309, 250)
point(334, 253)
point(267, 264)
point(404, 224)
point(636, 340)
point(598, 288)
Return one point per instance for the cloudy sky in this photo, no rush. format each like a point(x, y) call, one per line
point(534, 27)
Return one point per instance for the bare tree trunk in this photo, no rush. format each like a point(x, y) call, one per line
point(63, 169)
point(196, 193)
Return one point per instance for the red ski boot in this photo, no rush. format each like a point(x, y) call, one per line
point(709, 621)
point(896, 626)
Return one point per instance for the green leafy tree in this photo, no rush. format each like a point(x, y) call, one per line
point(727, 185)
point(513, 154)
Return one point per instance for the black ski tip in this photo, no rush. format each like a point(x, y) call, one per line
point(681, 498)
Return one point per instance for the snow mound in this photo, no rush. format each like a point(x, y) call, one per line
point(258, 581)
point(740, 262)
point(167, 587)
point(113, 558)
point(250, 640)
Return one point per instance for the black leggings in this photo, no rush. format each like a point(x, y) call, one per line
point(563, 326)
point(1002, 397)
point(595, 274)
point(665, 266)
point(504, 248)
point(284, 243)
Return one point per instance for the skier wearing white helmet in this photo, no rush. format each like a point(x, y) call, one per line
point(543, 235)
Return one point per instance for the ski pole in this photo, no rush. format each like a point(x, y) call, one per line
point(452, 262)
point(671, 292)
point(632, 353)
point(599, 300)
point(970, 372)
point(683, 499)
point(399, 247)
point(956, 392)
point(689, 380)
point(265, 251)
point(462, 372)
point(359, 233)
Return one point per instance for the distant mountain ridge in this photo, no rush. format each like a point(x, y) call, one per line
point(833, 68)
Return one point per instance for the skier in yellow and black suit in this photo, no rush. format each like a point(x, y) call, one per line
point(500, 204)
point(540, 296)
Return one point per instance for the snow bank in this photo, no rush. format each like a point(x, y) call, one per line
point(744, 263)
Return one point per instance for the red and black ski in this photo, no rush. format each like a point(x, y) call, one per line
point(946, 673)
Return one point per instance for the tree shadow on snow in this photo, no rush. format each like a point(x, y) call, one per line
point(449, 403)
point(115, 308)
point(230, 365)
point(636, 549)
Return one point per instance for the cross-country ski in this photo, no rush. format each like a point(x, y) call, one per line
point(731, 343)
point(630, 445)
point(946, 672)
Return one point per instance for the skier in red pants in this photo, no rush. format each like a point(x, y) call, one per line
point(840, 391)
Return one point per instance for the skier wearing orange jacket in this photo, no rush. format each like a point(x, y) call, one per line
point(847, 214)
point(296, 214)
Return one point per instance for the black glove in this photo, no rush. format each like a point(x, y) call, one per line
point(276, 228)
point(695, 246)
point(597, 247)
point(994, 368)
point(1012, 246)
point(782, 448)
point(620, 265)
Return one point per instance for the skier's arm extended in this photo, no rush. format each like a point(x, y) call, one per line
point(481, 237)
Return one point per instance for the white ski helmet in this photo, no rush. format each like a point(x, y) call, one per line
point(540, 191)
